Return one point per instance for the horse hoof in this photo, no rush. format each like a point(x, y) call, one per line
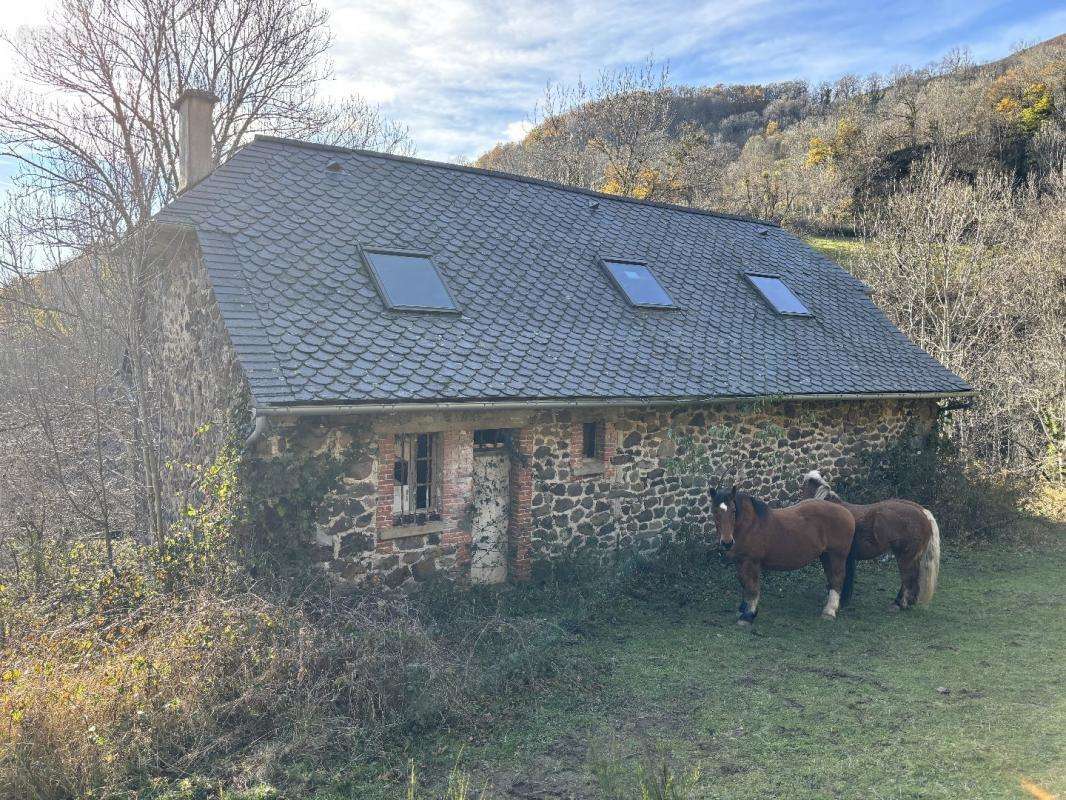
point(744, 623)
point(893, 608)
point(828, 616)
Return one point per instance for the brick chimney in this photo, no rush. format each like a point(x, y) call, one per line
point(196, 150)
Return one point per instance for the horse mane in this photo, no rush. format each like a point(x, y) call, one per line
point(824, 491)
point(758, 505)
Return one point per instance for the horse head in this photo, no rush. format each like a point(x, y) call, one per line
point(814, 486)
point(725, 514)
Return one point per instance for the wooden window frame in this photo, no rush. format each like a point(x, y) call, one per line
point(583, 465)
point(408, 510)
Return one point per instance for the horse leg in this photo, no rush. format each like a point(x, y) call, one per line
point(748, 572)
point(835, 567)
point(909, 563)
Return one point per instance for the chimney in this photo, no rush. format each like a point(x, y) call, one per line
point(196, 150)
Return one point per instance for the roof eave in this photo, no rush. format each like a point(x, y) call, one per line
point(349, 409)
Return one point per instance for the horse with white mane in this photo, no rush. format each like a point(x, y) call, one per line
point(906, 529)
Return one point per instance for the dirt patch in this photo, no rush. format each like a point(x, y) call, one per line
point(559, 772)
point(832, 673)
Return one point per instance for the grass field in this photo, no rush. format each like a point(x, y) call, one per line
point(840, 249)
point(963, 699)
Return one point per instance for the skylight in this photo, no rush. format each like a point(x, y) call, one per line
point(776, 292)
point(638, 284)
point(408, 281)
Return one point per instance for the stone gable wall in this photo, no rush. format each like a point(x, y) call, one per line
point(203, 387)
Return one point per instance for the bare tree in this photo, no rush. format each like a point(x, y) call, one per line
point(611, 135)
point(92, 123)
point(95, 123)
point(355, 123)
point(974, 273)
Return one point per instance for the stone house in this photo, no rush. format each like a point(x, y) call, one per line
point(509, 371)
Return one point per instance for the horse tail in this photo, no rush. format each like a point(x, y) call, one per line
point(849, 574)
point(929, 567)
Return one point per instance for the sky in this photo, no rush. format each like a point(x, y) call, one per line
point(464, 75)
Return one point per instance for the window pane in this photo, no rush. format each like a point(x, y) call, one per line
point(590, 439)
point(639, 285)
point(409, 281)
point(779, 295)
point(415, 499)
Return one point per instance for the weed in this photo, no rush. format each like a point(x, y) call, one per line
point(655, 776)
point(460, 786)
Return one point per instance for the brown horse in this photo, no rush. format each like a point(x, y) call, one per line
point(900, 526)
point(759, 537)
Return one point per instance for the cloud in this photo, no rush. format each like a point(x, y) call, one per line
point(465, 74)
point(461, 71)
point(13, 15)
point(516, 131)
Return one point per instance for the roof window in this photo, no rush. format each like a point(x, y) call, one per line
point(637, 283)
point(408, 281)
point(777, 294)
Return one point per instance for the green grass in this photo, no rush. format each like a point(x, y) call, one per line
point(964, 698)
point(841, 249)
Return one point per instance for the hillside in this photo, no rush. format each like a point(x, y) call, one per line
point(806, 155)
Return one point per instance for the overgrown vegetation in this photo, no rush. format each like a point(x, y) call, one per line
point(129, 670)
point(174, 653)
point(968, 502)
point(175, 663)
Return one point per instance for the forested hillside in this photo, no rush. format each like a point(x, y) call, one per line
point(806, 155)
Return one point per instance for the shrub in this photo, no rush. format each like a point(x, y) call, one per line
point(221, 686)
point(969, 500)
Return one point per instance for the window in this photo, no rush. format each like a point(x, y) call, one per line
point(489, 439)
point(408, 281)
point(592, 440)
point(778, 295)
point(637, 283)
point(416, 493)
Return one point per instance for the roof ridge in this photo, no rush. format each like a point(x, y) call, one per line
point(511, 176)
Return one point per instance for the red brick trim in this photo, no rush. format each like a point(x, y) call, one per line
point(609, 446)
point(455, 464)
point(386, 483)
point(520, 521)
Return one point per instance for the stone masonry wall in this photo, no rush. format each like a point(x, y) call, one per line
point(646, 483)
point(637, 489)
point(203, 386)
point(355, 535)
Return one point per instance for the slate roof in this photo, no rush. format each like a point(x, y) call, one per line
point(281, 225)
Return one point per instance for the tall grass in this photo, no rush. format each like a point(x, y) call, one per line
point(237, 687)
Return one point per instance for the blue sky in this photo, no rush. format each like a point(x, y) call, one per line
point(464, 75)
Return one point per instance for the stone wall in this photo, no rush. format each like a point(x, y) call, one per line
point(650, 477)
point(645, 480)
point(354, 534)
point(203, 388)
